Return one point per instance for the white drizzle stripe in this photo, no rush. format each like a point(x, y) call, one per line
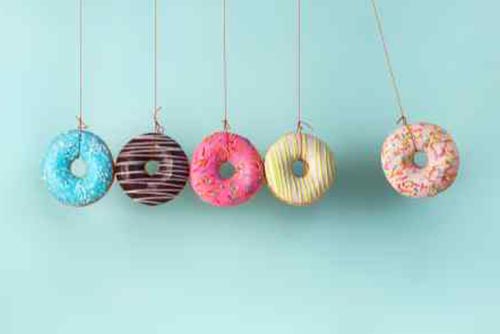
point(161, 186)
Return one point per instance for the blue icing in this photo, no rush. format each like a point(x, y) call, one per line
point(68, 188)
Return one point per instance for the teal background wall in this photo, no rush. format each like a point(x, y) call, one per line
point(364, 260)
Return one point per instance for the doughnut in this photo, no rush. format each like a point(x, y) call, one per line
point(163, 185)
point(404, 175)
point(319, 168)
point(216, 150)
point(68, 188)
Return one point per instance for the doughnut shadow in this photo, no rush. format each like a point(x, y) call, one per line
point(270, 207)
point(361, 183)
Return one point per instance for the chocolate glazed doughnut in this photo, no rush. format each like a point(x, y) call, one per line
point(163, 185)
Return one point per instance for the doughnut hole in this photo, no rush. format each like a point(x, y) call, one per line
point(420, 159)
point(226, 170)
point(152, 167)
point(79, 168)
point(299, 168)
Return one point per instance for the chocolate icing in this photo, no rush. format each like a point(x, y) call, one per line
point(160, 187)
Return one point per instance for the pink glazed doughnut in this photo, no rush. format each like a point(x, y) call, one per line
point(404, 175)
point(216, 150)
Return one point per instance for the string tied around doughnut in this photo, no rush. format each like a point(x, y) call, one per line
point(225, 125)
point(81, 126)
point(158, 127)
point(404, 121)
point(301, 125)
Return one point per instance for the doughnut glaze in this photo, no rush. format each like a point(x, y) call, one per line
point(211, 154)
point(319, 172)
point(68, 188)
point(404, 175)
point(169, 179)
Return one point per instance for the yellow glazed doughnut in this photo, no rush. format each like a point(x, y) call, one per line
point(319, 169)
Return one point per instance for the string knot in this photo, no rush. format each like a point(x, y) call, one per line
point(80, 123)
point(301, 125)
point(402, 120)
point(157, 122)
point(225, 125)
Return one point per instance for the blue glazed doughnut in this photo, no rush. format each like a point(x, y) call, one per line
point(68, 188)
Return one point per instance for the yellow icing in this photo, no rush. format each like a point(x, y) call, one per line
point(320, 169)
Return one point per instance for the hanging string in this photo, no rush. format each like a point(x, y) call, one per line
point(158, 127)
point(403, 117)
point(80, 65)
point(300, 123)
point(225, 121)
point(80, 122)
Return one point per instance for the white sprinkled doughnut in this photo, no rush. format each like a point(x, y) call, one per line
point(404, 175)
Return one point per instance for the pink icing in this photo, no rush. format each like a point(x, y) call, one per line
point(211, 154)
point(408, 178)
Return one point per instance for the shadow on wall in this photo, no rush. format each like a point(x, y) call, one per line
point(361, 182)
point(360, 187)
